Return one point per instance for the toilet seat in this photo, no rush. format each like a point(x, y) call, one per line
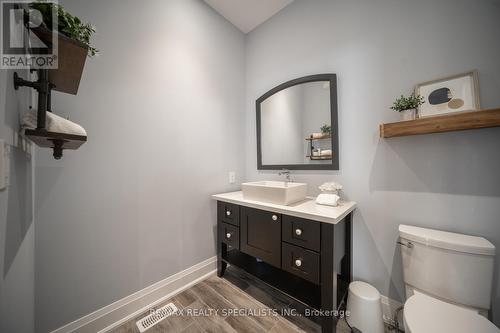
point(425, 314)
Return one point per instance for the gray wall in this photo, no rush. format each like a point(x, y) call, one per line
point(17, 235)
point(379, 50)
point(163, 107)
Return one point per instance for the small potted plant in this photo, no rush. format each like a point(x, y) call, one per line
point(326, 130)
point(407, 106)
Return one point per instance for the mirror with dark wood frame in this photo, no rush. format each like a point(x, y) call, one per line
point(297, 125)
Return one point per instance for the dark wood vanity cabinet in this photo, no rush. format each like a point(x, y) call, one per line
point(308, 260)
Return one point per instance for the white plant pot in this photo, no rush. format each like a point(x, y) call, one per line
point(408, 114)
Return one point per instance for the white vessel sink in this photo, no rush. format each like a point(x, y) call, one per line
point(280, 193)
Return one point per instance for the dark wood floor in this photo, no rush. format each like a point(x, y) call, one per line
point(235, 291)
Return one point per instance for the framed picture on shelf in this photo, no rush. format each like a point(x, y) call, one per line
point(450, 94)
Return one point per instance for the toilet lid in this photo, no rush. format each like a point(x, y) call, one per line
point(425, 314)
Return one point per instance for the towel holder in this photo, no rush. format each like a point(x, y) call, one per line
point(40, 135)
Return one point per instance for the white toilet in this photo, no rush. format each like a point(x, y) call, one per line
point(448, 279)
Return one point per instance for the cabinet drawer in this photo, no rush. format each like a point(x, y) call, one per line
point(230, 235)
point(301, 262)
point(302, 232)
point(229, 213)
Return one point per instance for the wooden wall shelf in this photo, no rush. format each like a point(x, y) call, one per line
point(320, 158)
point(46, 139)
point(323, 137)
point(445, 123)
point(54, 140)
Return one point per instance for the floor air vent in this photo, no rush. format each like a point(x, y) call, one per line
point(156, 316)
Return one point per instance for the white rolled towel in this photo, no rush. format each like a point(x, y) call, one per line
point(326, 152)
point(328, 199)
point(317, 135)
point(331, 187)
point(53, 123)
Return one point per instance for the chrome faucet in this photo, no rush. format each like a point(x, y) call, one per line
point(286, 173)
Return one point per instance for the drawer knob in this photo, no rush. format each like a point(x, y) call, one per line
point(228, 212)
point(228, 235)
point(298, 262)
point(298, 232)
point(275, 217)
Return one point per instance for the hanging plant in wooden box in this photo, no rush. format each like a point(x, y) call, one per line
point(73, 44)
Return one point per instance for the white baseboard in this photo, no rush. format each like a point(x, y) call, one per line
point(389, 307)
point(127, 308)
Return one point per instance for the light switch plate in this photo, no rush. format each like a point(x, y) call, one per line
point(3, 165)
point(232, 177)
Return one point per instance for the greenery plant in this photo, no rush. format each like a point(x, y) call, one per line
point(407, 103)
point(67, 24)
point(326, 129)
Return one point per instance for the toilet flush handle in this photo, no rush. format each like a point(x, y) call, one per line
point(408, 245)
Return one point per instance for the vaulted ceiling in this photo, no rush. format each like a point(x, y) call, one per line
point(247, 14)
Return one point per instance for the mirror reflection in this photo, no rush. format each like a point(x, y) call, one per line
point(296, 126)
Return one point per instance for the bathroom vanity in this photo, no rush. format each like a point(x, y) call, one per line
point(304, 250)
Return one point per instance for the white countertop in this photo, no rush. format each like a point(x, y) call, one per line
point(307, 209)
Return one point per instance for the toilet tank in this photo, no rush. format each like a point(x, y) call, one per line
point(453, 267)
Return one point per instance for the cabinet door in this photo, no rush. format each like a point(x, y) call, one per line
point(260, 235)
